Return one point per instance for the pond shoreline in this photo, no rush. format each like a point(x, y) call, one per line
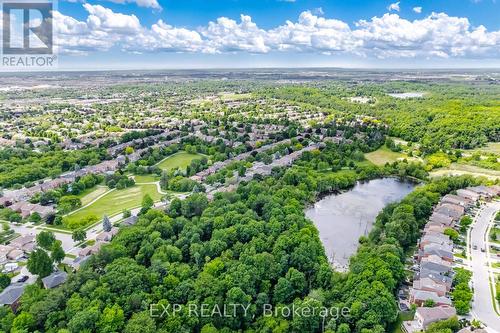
point(342, 217)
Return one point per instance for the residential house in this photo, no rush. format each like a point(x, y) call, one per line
point(131, 220)
point(435, 276)
point(106, 236)
point(457, 200)
point(483, 191)
point(419, 297)
point(435, 263)
point(435, 238)
point(10, 296)
point(55, 279)
point(432, 228)
point(4, 252)
point(440, 219)
point(26, 209)
point(428, 284)
point(24, 243)
point(443, 251)
point(454, 211)
point(15, 255)
point(468, 194)
point(79, 261)
point(425, 316)
point(90, 249)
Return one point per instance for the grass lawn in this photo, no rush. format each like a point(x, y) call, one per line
point(116, 201)
point(146, 178)
point(178, 160)
point(463, 169)
point(403, 316)
point(88, 195)
point(490, 147)
point(383, 155)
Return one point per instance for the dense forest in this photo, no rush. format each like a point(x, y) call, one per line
point(448, 116)
point(251, 247)
point(19, 166)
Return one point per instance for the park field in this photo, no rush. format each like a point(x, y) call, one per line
point(383, 155)
point(456, 169)
point(146, 178)
point(115, 202)
point(178, 160)
point(89, 195)
point(489, 148)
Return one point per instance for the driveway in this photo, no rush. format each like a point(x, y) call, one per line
point(482, 307)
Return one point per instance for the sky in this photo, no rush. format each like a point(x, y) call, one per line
point(146, 34)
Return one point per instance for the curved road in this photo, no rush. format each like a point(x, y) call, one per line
point(482, 306)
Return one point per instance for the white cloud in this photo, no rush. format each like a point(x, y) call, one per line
point(312, 32)
point(101, 18)
point(388, 36)
point(141, 3)
point(393, 6)
point(226, 35)
point(417, 10)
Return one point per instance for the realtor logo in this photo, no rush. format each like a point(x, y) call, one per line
point(27, 34)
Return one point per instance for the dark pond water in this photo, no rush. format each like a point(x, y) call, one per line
point(341, 219)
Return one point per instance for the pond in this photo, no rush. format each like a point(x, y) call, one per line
point(407, 95)
point(342, 218)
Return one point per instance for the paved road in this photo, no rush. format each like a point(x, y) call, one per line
point(482, 307)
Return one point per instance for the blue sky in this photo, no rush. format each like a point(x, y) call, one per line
point(355, 33)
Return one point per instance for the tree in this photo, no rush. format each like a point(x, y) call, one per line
point(4, 281)
point(56, 252)
point(79, 235)
point(129, 150)
point(429, 303)
point(45, 239)
point(112, 319)
point(452, 233)
point(68, 203)
point(164, 180)
point(24, 322)
point(39, 263)
point(35, 218)
point(140, 323)
point(106, 224)
point(147, 202)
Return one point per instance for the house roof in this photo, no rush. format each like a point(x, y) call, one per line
point(431, 315)
point(439, 218)
point(428, 283)
point(130, 220)
point(12, 293)
point(451, 210)
point(423, 295)
point(54, 279)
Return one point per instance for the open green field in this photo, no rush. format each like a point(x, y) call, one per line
point(91, 194)
point(383, 155)
point(146, 178)
point(490, 147)
point(463, 169)
point(116, 201)
point(179, 160)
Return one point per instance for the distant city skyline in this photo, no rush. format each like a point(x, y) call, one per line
point(150, 34)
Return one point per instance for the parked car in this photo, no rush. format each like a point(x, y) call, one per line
point(474, 247)
point(23, 278)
